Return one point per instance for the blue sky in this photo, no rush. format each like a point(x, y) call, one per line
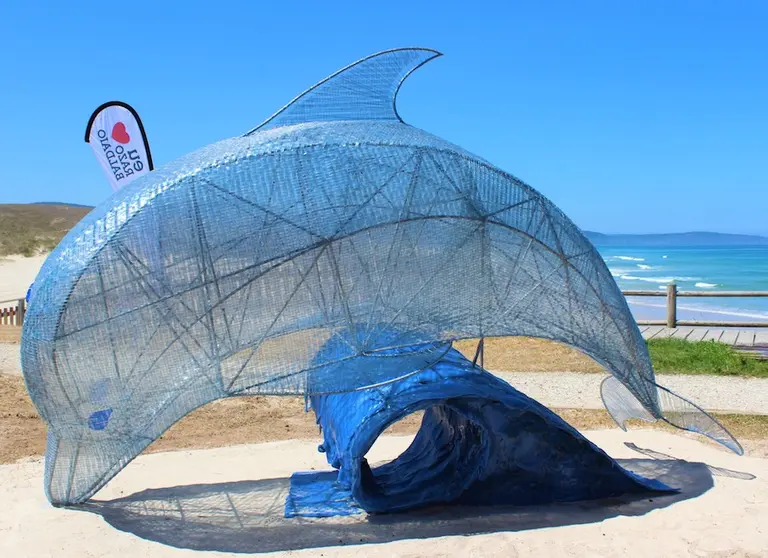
point(631, 116)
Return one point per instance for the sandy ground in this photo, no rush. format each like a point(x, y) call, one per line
point(16, 275)
point(230, 500)
point(9, 359)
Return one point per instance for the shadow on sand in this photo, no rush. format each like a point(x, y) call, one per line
point(247, 516)
point(716, 471)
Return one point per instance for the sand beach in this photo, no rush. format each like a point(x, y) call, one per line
point(229, 501)
point(17, 273)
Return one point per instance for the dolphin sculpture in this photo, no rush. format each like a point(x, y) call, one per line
point(225, 272)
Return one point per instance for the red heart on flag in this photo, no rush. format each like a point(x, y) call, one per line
point(119, 134)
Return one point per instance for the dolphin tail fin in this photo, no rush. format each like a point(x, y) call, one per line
point(675, 410)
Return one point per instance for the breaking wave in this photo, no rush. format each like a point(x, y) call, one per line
point(664, 280)
point(627, 258)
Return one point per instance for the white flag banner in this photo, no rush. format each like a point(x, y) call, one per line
point(117, 137)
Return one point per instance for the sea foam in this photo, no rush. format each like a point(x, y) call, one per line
point(620, 271)
point(657, 279)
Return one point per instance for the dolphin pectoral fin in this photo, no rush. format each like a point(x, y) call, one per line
point(365, 90)
point(76, 469)
point(674, 410)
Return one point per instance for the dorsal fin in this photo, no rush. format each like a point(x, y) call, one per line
point(365, 90)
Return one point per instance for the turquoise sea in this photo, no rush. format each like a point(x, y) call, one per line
point(721, 268)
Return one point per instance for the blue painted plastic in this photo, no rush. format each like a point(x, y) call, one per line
point(481, 442)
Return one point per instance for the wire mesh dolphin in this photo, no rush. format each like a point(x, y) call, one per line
point(224, 273)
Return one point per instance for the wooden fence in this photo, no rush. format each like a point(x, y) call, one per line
point(672, 294)
point(12, 312)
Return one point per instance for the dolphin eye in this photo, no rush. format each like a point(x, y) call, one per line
point(99, 419)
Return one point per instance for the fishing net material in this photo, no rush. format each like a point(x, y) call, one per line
point(228, 271)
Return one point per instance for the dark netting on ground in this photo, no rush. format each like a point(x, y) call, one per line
point(225, 272)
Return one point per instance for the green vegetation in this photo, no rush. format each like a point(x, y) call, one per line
point(677, 356)
point(31, 228)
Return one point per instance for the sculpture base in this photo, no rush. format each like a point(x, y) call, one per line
point(481, 442)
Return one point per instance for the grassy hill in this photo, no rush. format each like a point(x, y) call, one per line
point(29, 228)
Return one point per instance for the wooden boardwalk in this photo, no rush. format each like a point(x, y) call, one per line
point(740, 338)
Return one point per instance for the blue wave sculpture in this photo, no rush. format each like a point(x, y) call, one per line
point(481, 442)
point(228, 271)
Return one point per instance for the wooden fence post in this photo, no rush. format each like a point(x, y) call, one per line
point(20, 312)
point(672, 305)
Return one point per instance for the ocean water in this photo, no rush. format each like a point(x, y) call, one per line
point(732, 268)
